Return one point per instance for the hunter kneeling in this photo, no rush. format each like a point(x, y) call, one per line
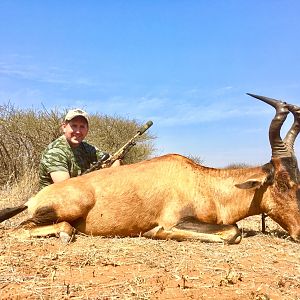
point(69, 155)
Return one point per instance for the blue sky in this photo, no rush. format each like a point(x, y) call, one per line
point(186, 65)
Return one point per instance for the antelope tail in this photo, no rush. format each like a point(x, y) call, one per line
point(8, 213)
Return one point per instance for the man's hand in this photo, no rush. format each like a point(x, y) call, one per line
point(117, 163)
point(58, 176)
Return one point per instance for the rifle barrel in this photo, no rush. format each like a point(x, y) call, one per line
point(145, 127)
point(121, 151)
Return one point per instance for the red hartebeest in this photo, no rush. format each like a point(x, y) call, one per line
point(171, 197)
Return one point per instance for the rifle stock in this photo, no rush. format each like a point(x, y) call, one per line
point(106, 161)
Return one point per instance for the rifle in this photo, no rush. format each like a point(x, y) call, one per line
point(107, 160)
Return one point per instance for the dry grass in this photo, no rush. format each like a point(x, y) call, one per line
point(260, 267)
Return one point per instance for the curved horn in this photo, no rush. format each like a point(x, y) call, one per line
point(279, 147)
point(295, 129)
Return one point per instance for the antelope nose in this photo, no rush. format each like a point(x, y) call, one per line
point(296, 236)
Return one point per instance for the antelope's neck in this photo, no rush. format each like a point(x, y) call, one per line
point(227, 204)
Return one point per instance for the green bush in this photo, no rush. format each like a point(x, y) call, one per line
point(238, 166)
point(195, 158)
point(24, 134)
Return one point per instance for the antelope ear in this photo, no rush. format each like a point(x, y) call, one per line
point(249, 184)
point(255, 181)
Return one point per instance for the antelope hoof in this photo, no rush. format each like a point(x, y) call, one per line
point(233, 236)
point(65, 237)
point(234, 239)
point(154, 232)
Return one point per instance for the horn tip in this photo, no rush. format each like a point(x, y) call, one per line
point(252, 95)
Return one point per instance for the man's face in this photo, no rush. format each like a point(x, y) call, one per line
point(75, 130)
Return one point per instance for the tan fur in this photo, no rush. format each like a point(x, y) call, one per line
point(132, 200)
point(150, 198)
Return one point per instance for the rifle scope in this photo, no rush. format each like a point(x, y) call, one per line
point(145, 127)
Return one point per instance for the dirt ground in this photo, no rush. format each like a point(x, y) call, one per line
point(260, 267)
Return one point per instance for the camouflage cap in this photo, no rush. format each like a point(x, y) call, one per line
point(76, 113)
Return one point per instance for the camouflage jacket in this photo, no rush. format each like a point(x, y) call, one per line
point(59, 156)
